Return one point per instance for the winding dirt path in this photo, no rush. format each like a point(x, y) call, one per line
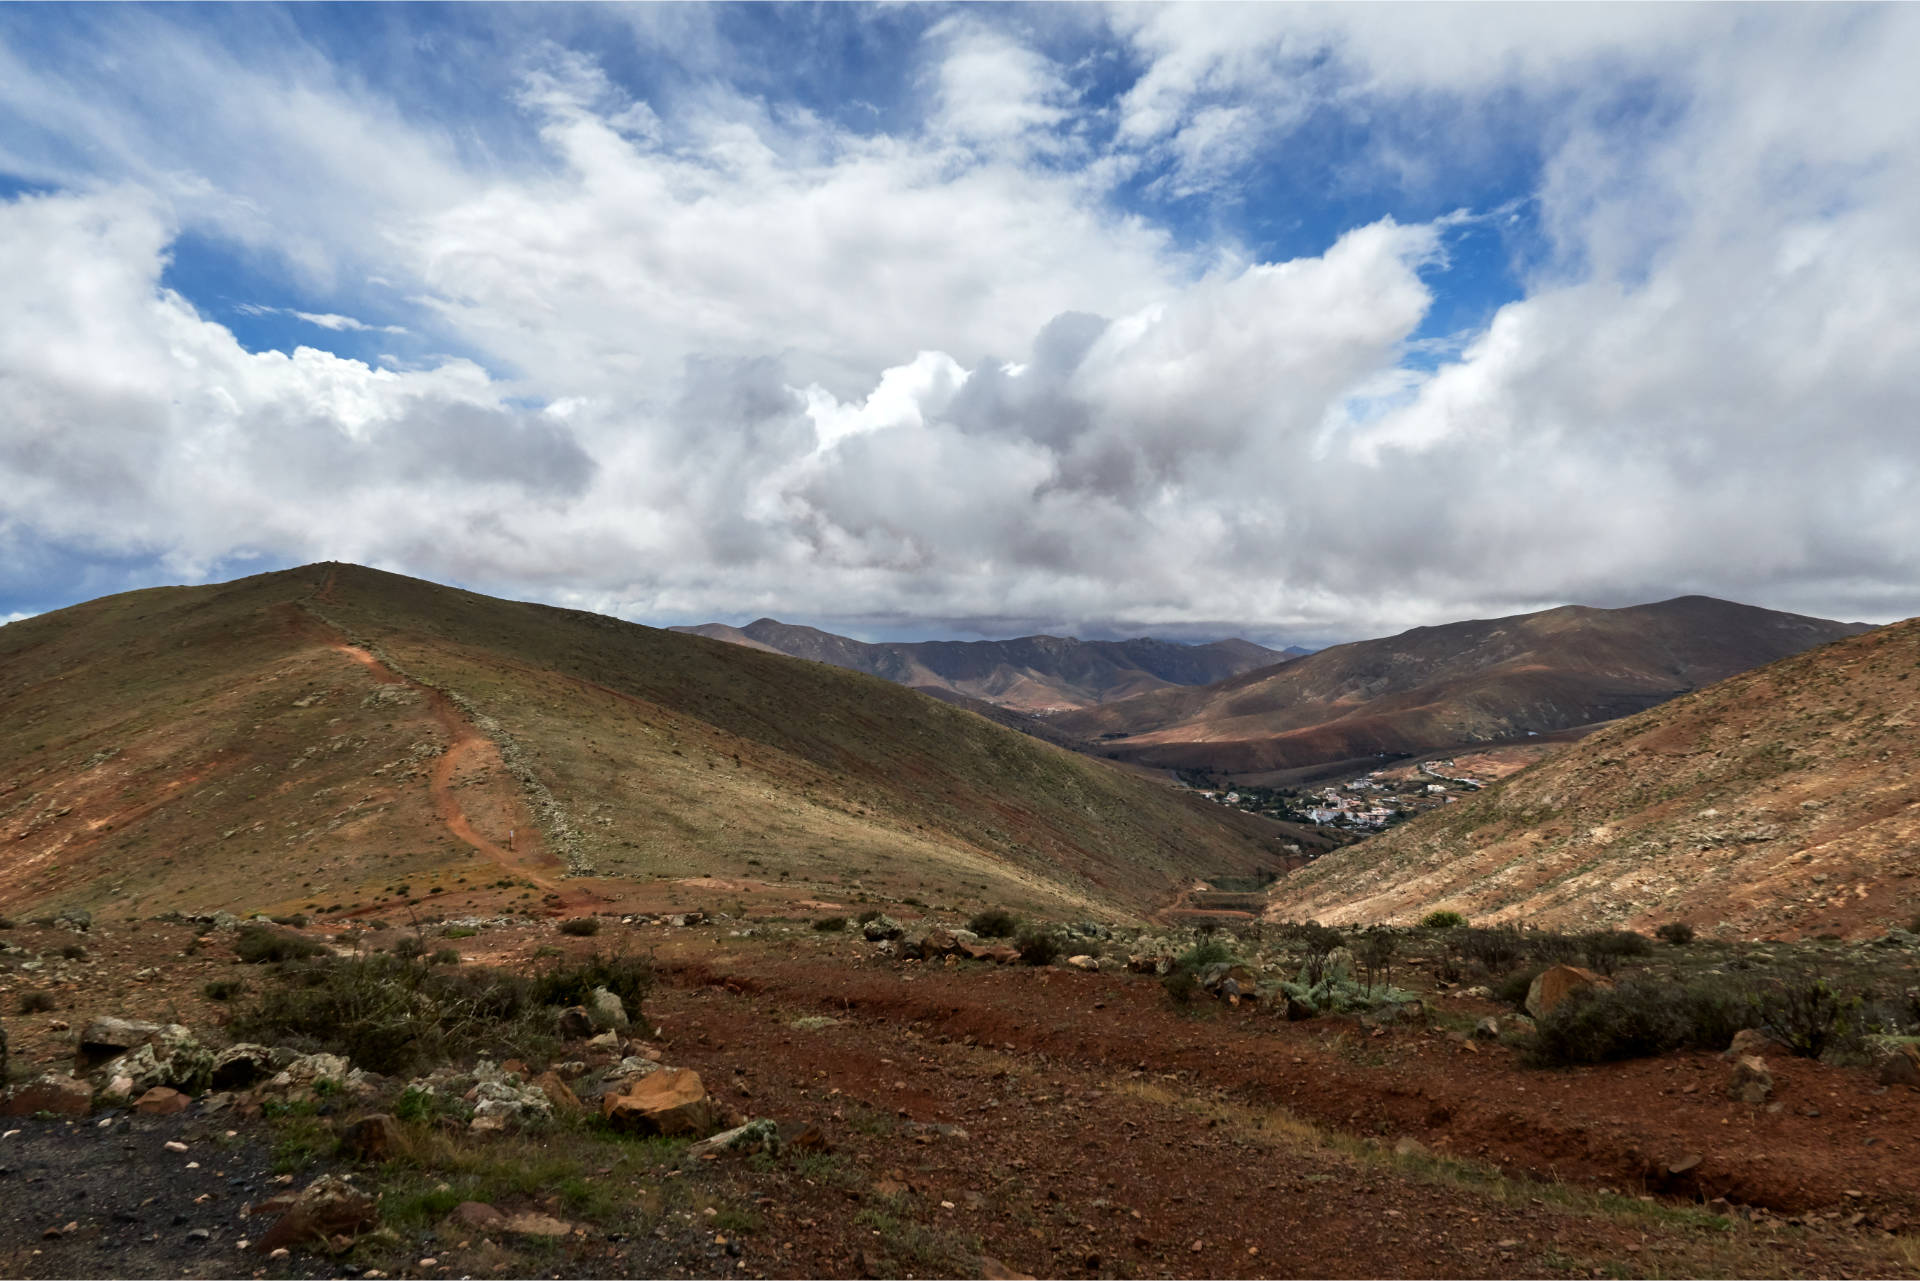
point(465, 743)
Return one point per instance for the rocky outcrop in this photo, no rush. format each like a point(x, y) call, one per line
point(669, 1101)
point(1555, 985)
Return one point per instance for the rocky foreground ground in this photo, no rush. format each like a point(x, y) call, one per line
point(790, 1102)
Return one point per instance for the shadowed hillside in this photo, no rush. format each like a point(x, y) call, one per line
point(1434, 688)
point(1783, 802)
point(1031, 673)
point(334, 736)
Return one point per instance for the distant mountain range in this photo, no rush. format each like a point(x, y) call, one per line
point(1435, 688)
point(1029, 674)
point(1784, 802)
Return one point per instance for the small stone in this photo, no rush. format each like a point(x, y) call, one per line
point(198, 1234)
point(429, 1262)
point(162, 1101)
point(175, 1145)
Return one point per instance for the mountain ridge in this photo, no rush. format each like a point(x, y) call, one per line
point(1040, 673)
point(1452, 685)
point(338, 737)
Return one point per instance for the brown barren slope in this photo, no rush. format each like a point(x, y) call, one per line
point(336, 737)
point(1781, 803)
point(1434, 688)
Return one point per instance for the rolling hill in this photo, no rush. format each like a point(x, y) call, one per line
point(1784, 802)
point(1031, 673)
point(1435, 688)
point(334, 738)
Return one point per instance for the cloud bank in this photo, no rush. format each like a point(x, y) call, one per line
point(1008, 352)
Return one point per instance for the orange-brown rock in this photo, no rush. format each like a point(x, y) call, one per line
point(161, 1101)
point(1557, 984)
point(558, 1092)
point(670, 1101)
point(60, 1095)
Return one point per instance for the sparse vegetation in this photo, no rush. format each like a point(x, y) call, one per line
point(35, 1001)
point(1038, 945)
point(224, 989)
point(1676, 933)
point(1810, 1017)
point(1640, 1017)
point(830, 924)
point(1442, 920)
point(994, 923)
point(262, 945)
point(580, 926)
point(74, 952)
point(1605, 949)
point(390, 1013)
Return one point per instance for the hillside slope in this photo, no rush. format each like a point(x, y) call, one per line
point(334, 736)
point(1030, 673)
point(1434, 688)
point(1780, 803)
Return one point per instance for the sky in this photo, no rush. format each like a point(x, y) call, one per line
point(1299, 323)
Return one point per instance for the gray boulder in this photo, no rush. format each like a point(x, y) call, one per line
point(882, 929)
point(607, 1010)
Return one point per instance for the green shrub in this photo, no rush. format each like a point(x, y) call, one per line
point(1374, 951)
point(391, 1014)
point(1810, 1017)
point(445, 956)
point(1209, 951)
point(1495, 950)
point(1639, 1018)
point(1038, 946)
point(995, 923)
point(1676, 933)
point(261, 944)
point(1513, 989)
point(1442, 920)
point(409, 946)
point(1181, 983)
point(871, 914)
point(458, 932)
point(1318, 943)
point(830, 924)
point(298, 920)
point(1605, 949)
point(35, 1002)
point(224, 989)
point(74, 952)
point(580, 926)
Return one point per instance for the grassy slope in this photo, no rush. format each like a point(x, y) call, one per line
point(1779, 803)
point(1438, 687)
point(253, 765)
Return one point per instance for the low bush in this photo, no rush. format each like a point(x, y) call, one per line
point(445, 956)
point(409, 946)
point(1317, 943)
point(458, 932)
point(1513, 989)
point(1181, 983)
point(35, 1002)
point(1676, 933)
point(1552, 947)
point(6, 922)
point(830, 924)
point(262, 944)
point(1494, 950)
point(390, 1014)
point(1639, 1018)
point(1605, 949)
point(870, 914)
point(1810, 1017)
point(995, 923)
point(224, 989)
point(1038, 946)
point(1374, 951)
point(1442, 920)
point(580, 927)
point(74, 952)
point(298, 920)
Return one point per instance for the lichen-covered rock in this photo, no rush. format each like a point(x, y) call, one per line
point(607, 1010)
point(325, 1209)
point(754, 1136)
point(240, 1065)
point(59, 1095)
point(503, 1099)
point(882, 929)
point(107, 1038)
